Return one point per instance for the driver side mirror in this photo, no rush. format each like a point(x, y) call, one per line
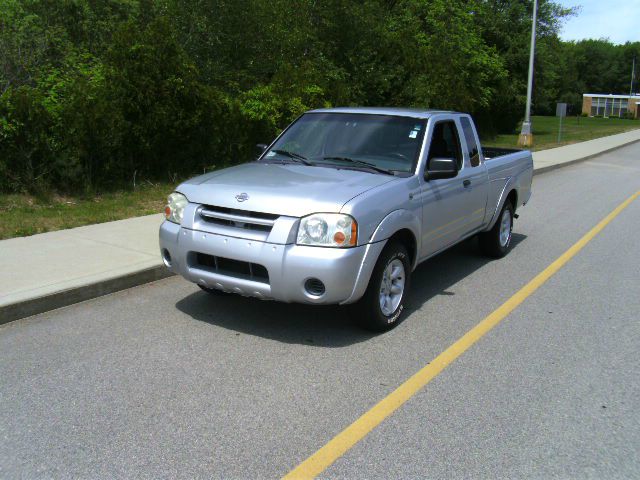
point(441, 168)
point(260, 148)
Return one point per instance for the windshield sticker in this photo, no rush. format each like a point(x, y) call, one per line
point(413, 134)
point(271, 154)
point(418, 127)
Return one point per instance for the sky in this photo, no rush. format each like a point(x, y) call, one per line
point(617, 20)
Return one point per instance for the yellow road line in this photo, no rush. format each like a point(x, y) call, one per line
point(341, 443)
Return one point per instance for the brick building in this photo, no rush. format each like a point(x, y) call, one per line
point(610, 105)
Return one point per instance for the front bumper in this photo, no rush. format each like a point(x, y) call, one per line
point(345, 273)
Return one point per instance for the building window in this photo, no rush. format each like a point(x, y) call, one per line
point(609, 107)
point(598, 106)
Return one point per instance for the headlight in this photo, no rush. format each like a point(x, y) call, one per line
point(328, 230)
point(174, 211)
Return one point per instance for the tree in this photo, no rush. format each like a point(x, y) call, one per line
point(97, 92)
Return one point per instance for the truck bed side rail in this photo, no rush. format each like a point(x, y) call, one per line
point(494, 152)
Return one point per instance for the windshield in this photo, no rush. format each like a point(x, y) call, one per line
point(352, 140)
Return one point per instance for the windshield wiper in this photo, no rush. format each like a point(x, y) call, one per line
point(294, 155)
point(361, 162)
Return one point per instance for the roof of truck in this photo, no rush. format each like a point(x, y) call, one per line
point(400, 112)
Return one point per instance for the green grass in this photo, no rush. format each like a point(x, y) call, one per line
point(23, 215)
point(574, 129)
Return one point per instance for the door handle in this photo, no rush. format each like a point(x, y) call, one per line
point(466, 183)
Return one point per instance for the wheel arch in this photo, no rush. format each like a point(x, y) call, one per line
point(400, 225)
point(409, 241)
point(509, 194)
point(512, 197)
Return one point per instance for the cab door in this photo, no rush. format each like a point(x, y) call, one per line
point(452, 207)
point(476, 177)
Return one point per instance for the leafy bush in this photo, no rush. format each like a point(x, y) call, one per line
point(26, 141)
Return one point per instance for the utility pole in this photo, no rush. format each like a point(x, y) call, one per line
point(526, 136)
point(633, 75)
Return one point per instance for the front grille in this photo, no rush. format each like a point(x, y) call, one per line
point(244, 219)
point(231, 268)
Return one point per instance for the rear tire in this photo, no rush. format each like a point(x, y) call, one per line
point(382, 304)
point(496, 242)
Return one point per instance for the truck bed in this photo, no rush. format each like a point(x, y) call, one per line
point(507, 166)
point(494, 152)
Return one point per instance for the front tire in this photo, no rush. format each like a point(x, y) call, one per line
point(382, 304)
point(497, 241)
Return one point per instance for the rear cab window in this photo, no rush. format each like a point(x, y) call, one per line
point(472, 144)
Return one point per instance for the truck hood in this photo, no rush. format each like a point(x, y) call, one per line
point(283, 189)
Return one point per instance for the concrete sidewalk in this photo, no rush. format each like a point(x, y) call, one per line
point(545, 160)
point(55, 269)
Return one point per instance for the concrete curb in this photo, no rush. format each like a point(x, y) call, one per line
point(27, 308)
point(548, 168)
point(34, 306)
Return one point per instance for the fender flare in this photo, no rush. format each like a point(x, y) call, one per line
point(395, 221)
point(510, 185)
point(389, 225)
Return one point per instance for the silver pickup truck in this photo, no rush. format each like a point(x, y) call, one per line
point(343, 206)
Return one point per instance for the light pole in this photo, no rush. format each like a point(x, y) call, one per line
point(526, 136)
point(633, 75)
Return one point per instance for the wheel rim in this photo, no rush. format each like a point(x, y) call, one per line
point(505, 228)
point(392, 287)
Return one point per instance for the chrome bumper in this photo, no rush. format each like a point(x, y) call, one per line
point(344, 272)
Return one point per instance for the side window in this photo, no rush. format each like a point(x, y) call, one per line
point(472, 145)
point(445, 142)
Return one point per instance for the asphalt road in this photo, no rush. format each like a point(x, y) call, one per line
point(165, 381)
